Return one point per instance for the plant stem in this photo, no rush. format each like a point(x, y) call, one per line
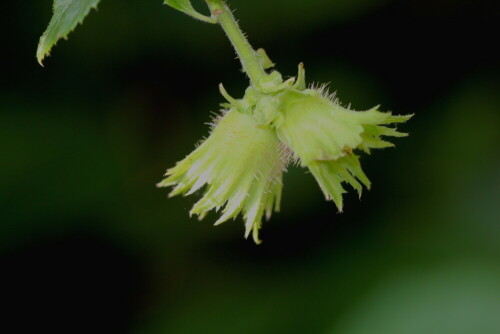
point(248, 57)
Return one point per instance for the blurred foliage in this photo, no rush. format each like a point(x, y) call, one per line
point(458, 298)
point(84, 141)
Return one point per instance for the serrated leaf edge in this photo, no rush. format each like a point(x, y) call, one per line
point(41, 54)
point(190, 11)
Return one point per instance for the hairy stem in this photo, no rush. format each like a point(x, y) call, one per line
point(248, 57)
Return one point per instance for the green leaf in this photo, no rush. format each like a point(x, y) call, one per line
point(186, 7)
point(66, 16)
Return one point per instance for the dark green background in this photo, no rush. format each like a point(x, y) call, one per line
point(89, 244)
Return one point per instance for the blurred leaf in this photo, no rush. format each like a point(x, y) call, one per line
point(457, 298)
point(66, 15)
point(186, 7)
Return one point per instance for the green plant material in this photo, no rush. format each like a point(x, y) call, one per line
point(65, 17)
point(186, 7)
point(323, 135)
point(242, 168)
point(264, 59)
point(330, 174)
point(277, 122)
